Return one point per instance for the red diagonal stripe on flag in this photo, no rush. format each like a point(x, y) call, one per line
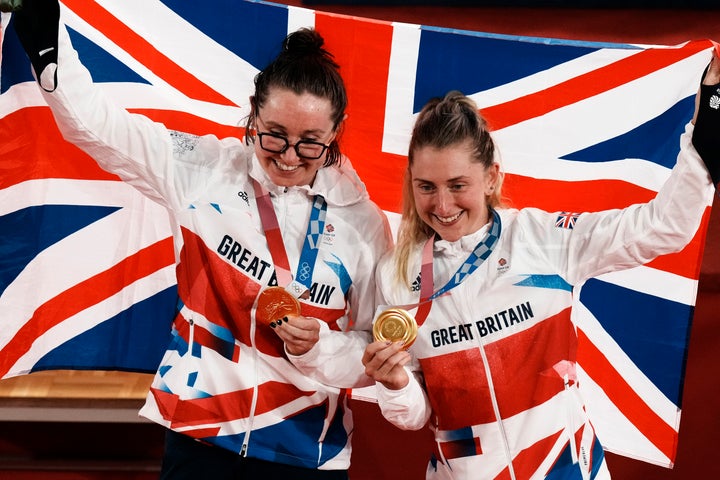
point(84, 295)
point(639, 413)
point(688, 261)
point(588, 85)
point(145, 52)
point(189, 123)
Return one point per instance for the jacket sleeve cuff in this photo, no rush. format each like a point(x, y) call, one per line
point(310, 358)
point(407, 408)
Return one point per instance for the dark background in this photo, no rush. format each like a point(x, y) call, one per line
point(691, 4)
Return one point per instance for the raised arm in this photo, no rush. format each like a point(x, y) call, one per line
point(141, 152)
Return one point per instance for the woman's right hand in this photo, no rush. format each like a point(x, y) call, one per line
point(384, 362)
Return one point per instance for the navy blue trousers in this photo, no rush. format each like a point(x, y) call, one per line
point(187, 459)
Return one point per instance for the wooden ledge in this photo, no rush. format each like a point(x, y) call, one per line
point(74, 395)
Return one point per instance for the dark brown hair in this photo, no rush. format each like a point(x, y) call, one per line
point(303, 66)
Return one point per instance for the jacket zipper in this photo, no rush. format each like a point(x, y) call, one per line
point(493, 396)
point(496, 409)
point(253, 404)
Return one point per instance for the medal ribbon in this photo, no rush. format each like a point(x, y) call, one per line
point(308, 256)
point(479, 254)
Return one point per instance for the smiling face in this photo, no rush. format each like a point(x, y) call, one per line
point(296, 117)
point(450, 190)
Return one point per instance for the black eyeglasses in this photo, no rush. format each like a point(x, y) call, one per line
point(307, 149)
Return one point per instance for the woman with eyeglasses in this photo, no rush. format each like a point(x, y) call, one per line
point(491, 367)
point(276, 248)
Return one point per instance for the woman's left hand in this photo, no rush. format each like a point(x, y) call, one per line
point(299, 333)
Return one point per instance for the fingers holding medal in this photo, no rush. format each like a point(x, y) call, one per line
point(394, 325)
point(274, 307)
point(275, 304)
point(394, 332)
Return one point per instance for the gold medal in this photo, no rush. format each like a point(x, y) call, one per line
point(395, 324)
point(275, 303)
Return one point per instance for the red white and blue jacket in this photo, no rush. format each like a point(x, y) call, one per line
point(495, 359)
point(225, 378)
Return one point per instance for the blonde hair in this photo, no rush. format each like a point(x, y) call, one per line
point(443, 122)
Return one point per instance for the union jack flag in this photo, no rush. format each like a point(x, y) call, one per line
point(566, 220)
point(86, 264)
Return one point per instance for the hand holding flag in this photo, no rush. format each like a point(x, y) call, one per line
point(706, 136)
point(36, 24)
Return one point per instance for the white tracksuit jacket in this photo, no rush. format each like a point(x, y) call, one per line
point(226, 379)
point(497, 355)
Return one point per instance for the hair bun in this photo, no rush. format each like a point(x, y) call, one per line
point(304, 41)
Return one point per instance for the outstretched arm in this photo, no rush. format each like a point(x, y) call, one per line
point(143, 153)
